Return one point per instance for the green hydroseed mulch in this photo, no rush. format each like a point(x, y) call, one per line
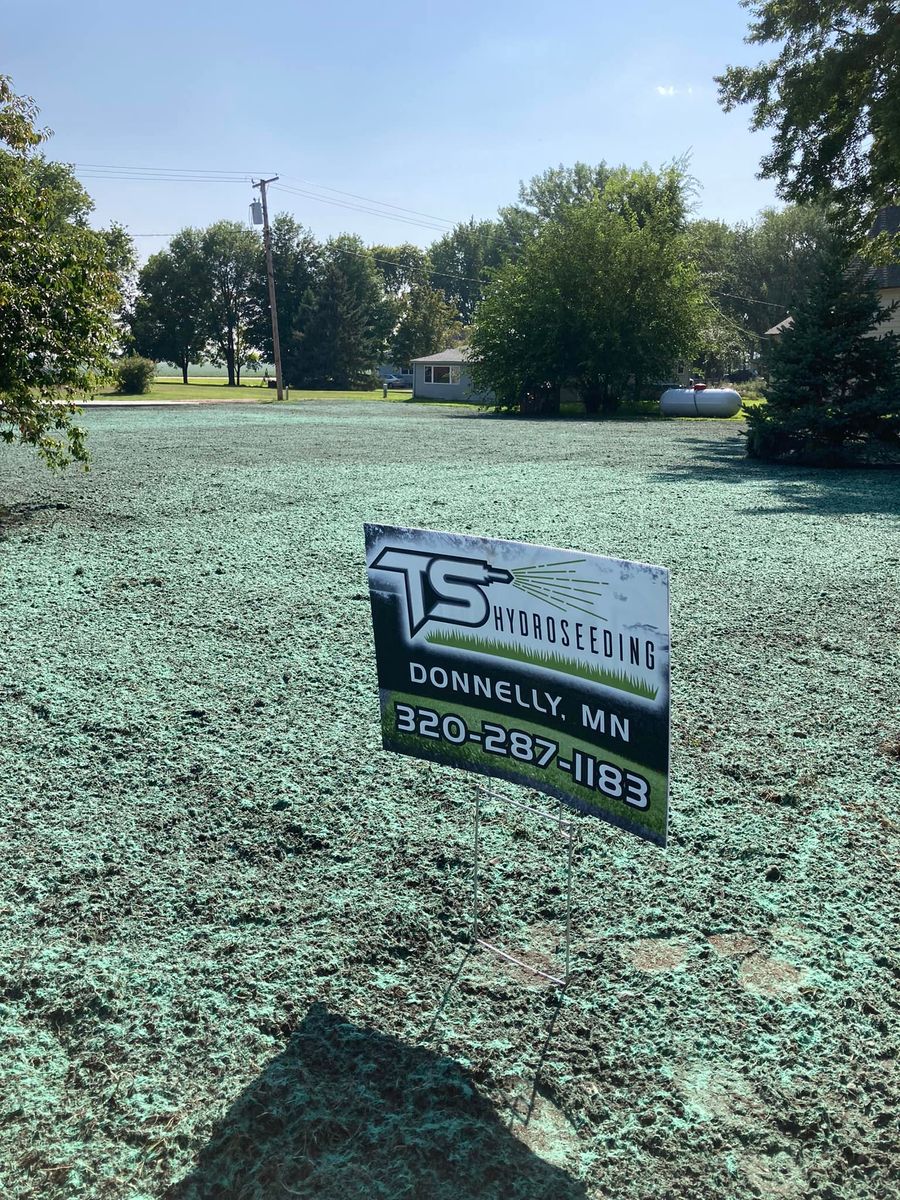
point(229, 924)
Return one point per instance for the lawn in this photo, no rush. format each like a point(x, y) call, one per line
point(164, 388)
point(233, 943)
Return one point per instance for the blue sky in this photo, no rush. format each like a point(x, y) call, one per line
point(441, 108)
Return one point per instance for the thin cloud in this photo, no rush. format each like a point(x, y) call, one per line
point(671, 90)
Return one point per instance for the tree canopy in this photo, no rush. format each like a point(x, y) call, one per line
point(427, 323)
point(59, 291)
point(297, 265)
point(168, 322)
point(753, 272)
point(461, 262)
point(602, 298)
point(831, 96)
point(231, 256)
point(349, 324)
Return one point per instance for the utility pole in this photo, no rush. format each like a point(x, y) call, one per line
point(270, 271)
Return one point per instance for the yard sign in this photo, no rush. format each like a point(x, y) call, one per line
point(546, 667)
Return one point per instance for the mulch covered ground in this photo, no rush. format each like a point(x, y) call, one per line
point(233, 932)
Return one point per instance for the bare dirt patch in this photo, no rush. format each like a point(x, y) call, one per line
point(766, 976)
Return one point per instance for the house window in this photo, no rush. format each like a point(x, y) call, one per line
point(442, 374)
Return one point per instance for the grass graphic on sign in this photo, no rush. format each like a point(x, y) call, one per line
point(619, 680)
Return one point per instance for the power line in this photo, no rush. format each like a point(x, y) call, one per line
point(369, 200)
point(386, 262)
point(750, 300)
point(144, 177)
point(225, 175)
point(239, 176)
point(408, 216)
point(420, 224)
point(370, 206)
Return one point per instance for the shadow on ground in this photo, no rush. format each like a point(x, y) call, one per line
point(14, 515)
point(821, 491)
point(348, 1113)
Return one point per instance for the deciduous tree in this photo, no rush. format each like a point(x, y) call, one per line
point(461, 262)
point(831, 96)
point(602, 298)
point(169, 322)
point(427, 324)
point(400, 267)
point(232, 265)
point(59, 293)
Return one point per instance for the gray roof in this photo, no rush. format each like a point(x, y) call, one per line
point(458, 355)
point(778, 329)
point(887, 221)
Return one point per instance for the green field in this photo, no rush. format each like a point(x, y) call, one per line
point(250, 389)
point(233, 931)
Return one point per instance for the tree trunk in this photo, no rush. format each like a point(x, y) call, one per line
point(184, 367)
point(540, 402)
point(550, 402)
point(229, 357)
point(609, 404)
point(593, 397)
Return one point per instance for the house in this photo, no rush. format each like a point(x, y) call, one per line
point(445, 376)
point(886, 279)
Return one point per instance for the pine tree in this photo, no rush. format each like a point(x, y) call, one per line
point(834, 393)
point(348, 326)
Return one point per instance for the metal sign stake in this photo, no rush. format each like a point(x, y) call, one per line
point(570, 834)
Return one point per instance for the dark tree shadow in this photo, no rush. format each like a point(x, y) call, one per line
point(13, 516)
point(346, 1113)
point(822, 491)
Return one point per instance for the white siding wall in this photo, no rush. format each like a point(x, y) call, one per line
point(887, 296)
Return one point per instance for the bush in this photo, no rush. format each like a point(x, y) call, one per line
point(134, 375)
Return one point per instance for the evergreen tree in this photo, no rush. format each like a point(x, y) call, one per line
point(296, 260)
point(834, 395)
point(350, 322)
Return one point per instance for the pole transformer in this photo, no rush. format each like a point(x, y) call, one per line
point(270, 272)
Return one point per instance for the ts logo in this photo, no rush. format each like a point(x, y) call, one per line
point(442, 587)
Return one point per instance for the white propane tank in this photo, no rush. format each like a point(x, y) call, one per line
point(699, 402)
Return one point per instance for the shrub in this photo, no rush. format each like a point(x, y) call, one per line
point(134, 375)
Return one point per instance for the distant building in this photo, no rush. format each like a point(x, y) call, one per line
point(445, 376)
point(389, 370)
point(886, 279)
